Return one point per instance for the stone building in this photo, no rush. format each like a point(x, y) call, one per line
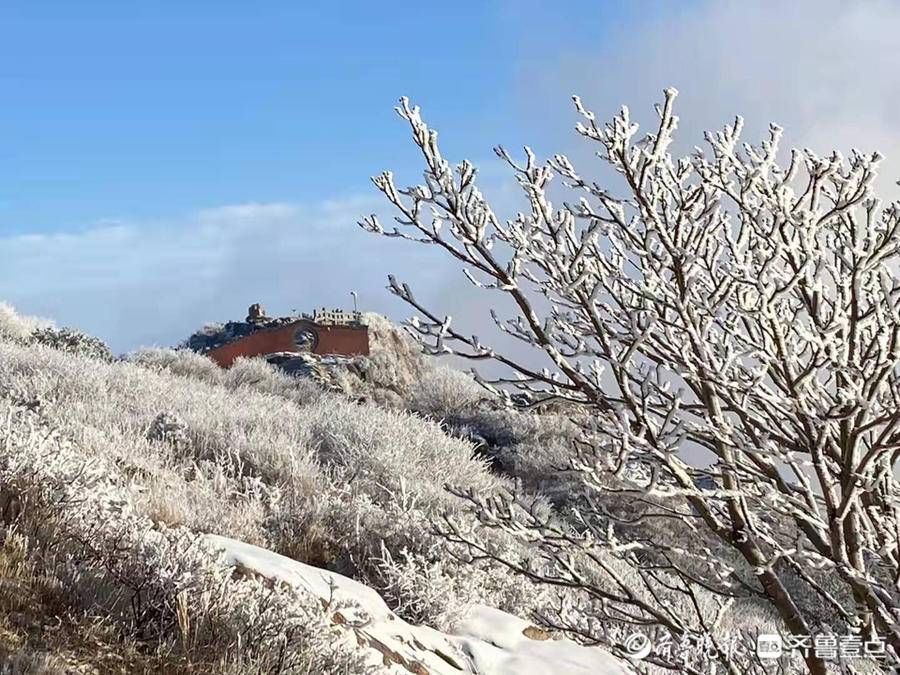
point(324, 333)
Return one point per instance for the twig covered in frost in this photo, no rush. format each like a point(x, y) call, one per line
point(729, 300)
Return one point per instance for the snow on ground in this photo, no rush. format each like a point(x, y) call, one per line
point(487, 641)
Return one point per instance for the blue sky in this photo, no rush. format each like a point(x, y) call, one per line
point(165, 164)
point(111, 109)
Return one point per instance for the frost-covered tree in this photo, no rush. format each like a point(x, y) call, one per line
point(734, 300)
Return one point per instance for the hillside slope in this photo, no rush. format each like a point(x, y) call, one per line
point(146, 502)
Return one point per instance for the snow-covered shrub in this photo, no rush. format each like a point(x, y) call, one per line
point(261, 376)
point(167, 428)
point(394, 451)
point(164, 582)
point(387, 473)
point(535, 449)
point(440, 589)
point(73, 341)
point(247, 373)
point(111, 407)
point(445, 392)
point(17, 327)
point(178, 361)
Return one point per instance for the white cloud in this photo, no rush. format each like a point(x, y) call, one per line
point(823, 69)
point(145, 283)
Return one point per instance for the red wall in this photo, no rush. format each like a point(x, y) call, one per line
point(339, 340)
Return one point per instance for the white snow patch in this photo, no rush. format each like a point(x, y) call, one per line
point(486, 642)
point(325, 585)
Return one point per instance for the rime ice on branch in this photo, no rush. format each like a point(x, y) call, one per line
point(734, 300)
